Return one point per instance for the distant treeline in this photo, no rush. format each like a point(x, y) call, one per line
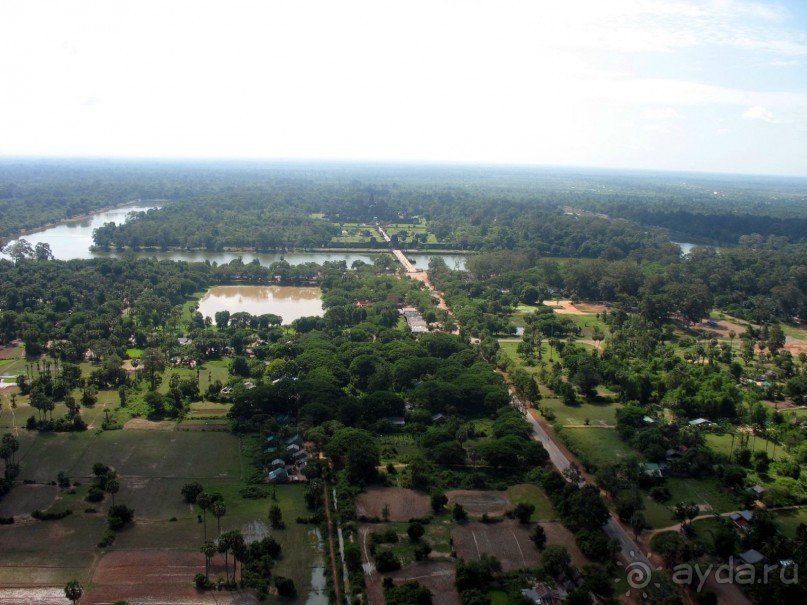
point(278, 206)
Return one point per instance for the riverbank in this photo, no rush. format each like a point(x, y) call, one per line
point(78, 218)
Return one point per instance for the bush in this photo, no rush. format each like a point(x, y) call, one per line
point(386, 561)
point(660, 493)
point(119, 515)
point(107, 540)
point(285, 587)
point(43, 516)
point(384, 536)
point(95, 494)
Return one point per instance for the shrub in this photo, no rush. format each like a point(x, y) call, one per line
point(386, 561)
point(119, 515)
point(660, 493)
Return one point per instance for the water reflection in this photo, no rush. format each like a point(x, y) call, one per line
point(287, 301)
point(319, 585)
point(73, 239)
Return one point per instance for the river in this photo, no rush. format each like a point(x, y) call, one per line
point(73, 239)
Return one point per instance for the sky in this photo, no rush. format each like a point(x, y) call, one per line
point(693, 85)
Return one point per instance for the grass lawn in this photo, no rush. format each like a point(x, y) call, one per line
point(704, 492)
point(700, 491)
point(12, 367)
point(657, 514)
point(722, 444)
point(532, 494)
point(789, 521)
point(394, 448)
point(597, 413)
point(704, 528)
point(597, 444)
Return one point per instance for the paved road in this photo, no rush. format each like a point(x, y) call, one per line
point(630, 550)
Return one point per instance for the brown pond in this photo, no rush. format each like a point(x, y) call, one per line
point(290, 302)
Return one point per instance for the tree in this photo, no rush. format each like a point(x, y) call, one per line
point(153, 362)
point(438, 501)
point(276, 517)
point(458, 512)
point(538, 537)
point(415, 531)
point(42, 251)
point(208, 550)
point(73, 590)
point(112, 487)
point(357, 450)
point(555, 559)
point(204, 500)
point(218, 509)
point(191, 490)
point(685, 511)
point(523, 511)
point(285, 587)
point(19, 250)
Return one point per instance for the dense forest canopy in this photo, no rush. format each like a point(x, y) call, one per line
point(277, 205)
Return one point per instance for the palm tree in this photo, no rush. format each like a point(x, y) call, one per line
point(239, 548)
point(73, 591)
point(224, 543)
point(219, 510)
point(112, 487)
point(208, 550)
point(204, 500)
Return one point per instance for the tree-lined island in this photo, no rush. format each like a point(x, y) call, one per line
point(581, 396)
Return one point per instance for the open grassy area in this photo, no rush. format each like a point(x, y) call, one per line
point(597, 444)
point(598, 414)
point(723, 445)
point(789, 520)
point(532, 494)
point(704, 492)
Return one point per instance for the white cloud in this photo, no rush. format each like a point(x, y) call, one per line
point(757, 112)
point(661, 114)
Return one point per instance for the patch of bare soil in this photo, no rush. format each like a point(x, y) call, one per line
point(141, 424)
point(437, 576)
point(478, 502)
point(508, 541)
point(795, 345)
point(13, 351)
point(556, 533)
point(565, 307)
point(721, 327)
point(404, 504)
point(33, 596)
point(157, 576)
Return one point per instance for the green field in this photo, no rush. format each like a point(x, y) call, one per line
point(532, 494)
point(152, 466)
point(704, 492)
point(789, 520)
point(722, 444)
point(598, 444)
point(598, 414)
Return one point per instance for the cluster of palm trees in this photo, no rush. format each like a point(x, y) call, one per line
point(225, 543)
point(8, 450)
